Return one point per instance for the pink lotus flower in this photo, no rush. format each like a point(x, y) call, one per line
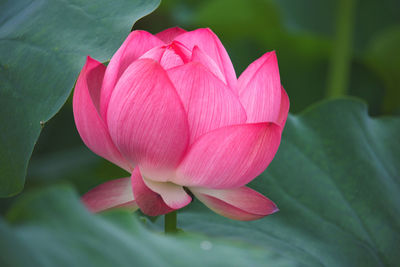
point(169, 109)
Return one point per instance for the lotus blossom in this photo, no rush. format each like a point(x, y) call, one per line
point(169, 109)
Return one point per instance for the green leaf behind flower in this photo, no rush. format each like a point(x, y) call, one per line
point(43, 45)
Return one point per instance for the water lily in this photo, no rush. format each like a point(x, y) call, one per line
point(169, 109)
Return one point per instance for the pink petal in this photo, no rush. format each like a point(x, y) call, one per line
point(260, 89)
point(284, 109)
point(112, 194)
point(209, 103)
point(170, 59)
point(173, 195)
point(149, 202)
point(137, 43)
point(229, 157)
point(91, 127)
point(147, 120)
point(170, 34)
point(155, 53)
point(241, 203)
point(200, 56)
point(172, 55)
point(209, 43)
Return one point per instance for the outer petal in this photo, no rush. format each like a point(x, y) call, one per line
point(137, 43)
point(242, 203)
point(91, 127)
point(173, 195)
point(150, 203)
point(170, 34)
point(260, 89)
point(147, 120)
point(200, 56)
point(112, 194)
point(229, 157)
point(209, 103)
point(208, 42)
point(284, 109)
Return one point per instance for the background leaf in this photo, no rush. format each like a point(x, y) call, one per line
point(43, 45)
point(336, 181)
point(51, 228)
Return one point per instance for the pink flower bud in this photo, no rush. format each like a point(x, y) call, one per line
point(169, 109)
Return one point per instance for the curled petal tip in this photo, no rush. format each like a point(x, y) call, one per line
point(273, 208)
point(242, 203)
point(112, 194)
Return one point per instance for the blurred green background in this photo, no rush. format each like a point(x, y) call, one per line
point(309, 36)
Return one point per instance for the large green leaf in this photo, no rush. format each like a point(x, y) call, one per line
point(336, 181)
point(51, 228)
point(43, 45)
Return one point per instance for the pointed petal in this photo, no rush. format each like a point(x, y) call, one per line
point(112, 194)
point(260, 89)
point(155, 53)
point(147, 120)
point(200, 56)
point(173, 195)
point(209, 103)
point(170, 59)
point(149, 202)
point(91, 127)
point(209, 43)
point(229, 157)
point(284, 109)
point(135, 45)
point(241, 203)
point(169, 56)
point(170, 34)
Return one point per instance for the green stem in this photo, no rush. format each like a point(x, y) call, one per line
point(170, 222)
point(341, 57)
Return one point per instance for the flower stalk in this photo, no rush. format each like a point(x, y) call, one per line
point(170, 220)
